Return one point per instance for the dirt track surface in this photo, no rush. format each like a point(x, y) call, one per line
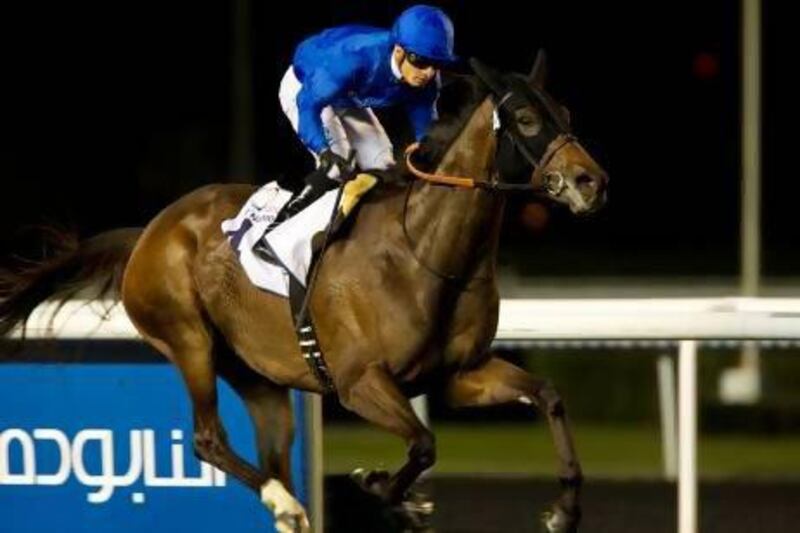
point(489, 505)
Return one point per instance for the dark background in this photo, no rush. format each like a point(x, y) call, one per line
point(110, 112)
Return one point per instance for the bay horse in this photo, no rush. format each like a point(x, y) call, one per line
point(406, 302)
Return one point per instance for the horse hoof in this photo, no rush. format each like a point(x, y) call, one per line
point(374, 482)
point(560, 521)
point(416, 513)
point(292, 523)
point(418, 503)
point(290, 517)
point(413, 514)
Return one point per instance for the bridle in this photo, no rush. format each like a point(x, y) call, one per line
point(553, 182)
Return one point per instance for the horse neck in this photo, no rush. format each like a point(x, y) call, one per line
point(456, 231)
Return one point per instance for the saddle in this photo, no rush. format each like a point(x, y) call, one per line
point(281, 258)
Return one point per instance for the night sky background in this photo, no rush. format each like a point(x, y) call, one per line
point(110, 112)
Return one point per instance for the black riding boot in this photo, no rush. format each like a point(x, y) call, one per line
point(317, 184)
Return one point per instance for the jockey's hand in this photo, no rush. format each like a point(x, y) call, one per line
point(320, 181)
point(334, 165)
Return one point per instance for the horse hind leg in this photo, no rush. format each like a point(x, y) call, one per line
point(195, 362)
point(212, 446)
point(270, 411)
point(186, 340)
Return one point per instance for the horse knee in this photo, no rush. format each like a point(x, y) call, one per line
point(423, 451)
point(550, 401)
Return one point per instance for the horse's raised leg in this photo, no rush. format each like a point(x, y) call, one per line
point(375, 396)
point(497, 382)
point(270, 410)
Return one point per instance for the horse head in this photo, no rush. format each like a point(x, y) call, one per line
point(536, 146)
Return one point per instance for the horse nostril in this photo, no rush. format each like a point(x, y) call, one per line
point(585, 181)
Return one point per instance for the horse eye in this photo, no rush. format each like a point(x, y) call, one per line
point(528, 122)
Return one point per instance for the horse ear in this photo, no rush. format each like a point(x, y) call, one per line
point(566, 114)
point(538, 74)
point(487, 75)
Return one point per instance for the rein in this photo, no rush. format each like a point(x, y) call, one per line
point(554, 184)
point(452, 278)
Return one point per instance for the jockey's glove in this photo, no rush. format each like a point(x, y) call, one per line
point(334, 165)
point(320, 181)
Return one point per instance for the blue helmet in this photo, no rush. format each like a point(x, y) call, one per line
point(425, 31)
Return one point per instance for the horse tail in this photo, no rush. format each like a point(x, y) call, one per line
point(93, 267)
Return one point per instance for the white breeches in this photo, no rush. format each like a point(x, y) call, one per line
point(345, 129)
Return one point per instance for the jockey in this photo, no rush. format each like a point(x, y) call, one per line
point(338, 75)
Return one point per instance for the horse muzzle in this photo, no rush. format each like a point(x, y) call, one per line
point(585, 193)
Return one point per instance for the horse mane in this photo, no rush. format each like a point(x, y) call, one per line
point(459, 96)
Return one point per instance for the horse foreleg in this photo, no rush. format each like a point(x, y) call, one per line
point(498, 382)
point(374, 396)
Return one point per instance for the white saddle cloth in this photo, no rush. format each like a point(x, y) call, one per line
point(290, 242)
